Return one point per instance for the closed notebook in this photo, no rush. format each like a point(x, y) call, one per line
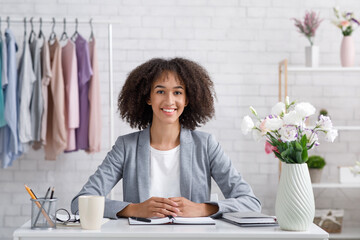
point(250, 219)
point(174, 220)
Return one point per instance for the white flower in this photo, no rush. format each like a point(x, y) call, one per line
point(287, 101)
point(278, 109)
point(246, 125)
point(288, 133)
point(273, 124)
point(292, 118)
point(305, 109)
point(331, 135)
point(312, 137)
point(324, 123)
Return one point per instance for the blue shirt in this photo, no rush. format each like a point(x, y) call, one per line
point(2, 117)
point(11, 147)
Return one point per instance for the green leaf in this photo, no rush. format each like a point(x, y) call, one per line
point(304, 155)
point(298, 147)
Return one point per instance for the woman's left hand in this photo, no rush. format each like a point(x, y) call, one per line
point(191, 209)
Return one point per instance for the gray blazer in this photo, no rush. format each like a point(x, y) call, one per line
point(201, 157)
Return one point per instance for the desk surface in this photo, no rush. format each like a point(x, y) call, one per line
point(120, 229)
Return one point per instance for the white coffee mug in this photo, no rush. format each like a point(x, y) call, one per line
point(91, 211)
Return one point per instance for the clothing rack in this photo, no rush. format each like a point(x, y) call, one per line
point(40, 20)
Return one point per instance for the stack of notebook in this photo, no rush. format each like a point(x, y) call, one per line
point(250, 219)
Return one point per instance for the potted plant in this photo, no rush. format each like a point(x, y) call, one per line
point(286, 131)
point(347, 24)
point(315, 164)
point(308, 27)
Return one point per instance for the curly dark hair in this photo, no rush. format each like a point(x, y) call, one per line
point(136, 91)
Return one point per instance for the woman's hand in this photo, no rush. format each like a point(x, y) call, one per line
point(153, 207)
point(191, 209)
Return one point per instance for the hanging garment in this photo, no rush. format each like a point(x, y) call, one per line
point(84, 74)
point(56, 131)
point(2, 103)
point(70, 72)
point(26, 79)
point(45, 82)
point(95, 102)
point(36, 107)
point(11, 147)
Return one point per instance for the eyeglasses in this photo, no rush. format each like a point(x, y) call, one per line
point(64, 216)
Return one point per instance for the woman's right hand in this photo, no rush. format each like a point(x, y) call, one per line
point(153, 207)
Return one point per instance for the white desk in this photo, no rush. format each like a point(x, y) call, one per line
point(120, 229)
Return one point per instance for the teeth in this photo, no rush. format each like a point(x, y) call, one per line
point(168, 110)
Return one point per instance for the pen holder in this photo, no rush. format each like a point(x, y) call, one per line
point(43, 213)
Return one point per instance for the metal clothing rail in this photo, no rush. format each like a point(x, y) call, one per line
point(110, 57)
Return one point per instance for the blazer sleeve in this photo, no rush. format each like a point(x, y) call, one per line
point(104, 179)
point(238, 194)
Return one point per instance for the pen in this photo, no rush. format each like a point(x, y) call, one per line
point(37, 217)
point(32, 195)
point(141, 219)
point(52, 193)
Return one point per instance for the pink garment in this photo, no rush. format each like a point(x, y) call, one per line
point(46, 76)
point(56, 131)
point(69, 66)
point(95, 123)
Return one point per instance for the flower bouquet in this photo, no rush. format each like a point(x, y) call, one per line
point(290, 139)
point(345, 21)
point(347, 24)
point(308, 27)
point(286, 131)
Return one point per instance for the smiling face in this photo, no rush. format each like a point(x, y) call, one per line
point(167, 99)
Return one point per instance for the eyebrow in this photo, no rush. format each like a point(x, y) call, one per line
point(161, 86)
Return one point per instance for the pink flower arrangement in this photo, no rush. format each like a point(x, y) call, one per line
point(345, 21)
point(309, 26)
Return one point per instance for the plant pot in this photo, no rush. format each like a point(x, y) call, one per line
point(347, 51)
point(312, 56)
point(295, 205)
point(315, 174)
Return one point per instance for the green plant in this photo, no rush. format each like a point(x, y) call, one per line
point(323, 112)
point(316, 162)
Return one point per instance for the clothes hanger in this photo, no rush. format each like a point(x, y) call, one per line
point(64, 35)
point(32, 35)
point(52, 34)
point(24, 27)
point(92, 32)
point(75, 35)
point(41, 34)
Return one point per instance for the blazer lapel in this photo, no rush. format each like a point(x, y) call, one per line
point(186, 151)
point(143, 164)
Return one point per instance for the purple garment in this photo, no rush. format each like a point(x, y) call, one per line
point(84, 75)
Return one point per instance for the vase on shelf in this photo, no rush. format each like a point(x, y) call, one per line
point(312, 56)
point(295, 205)
point(347, 51)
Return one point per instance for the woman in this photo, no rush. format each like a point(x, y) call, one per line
point(167, 166)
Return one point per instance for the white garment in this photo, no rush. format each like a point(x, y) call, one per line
point(26, 80)
point(165, 173)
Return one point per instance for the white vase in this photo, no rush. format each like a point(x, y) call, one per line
point(312, 56)
point(347, 51)
point(295, 206)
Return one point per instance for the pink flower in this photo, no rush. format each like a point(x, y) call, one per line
point(269, 148)
point(345, 23)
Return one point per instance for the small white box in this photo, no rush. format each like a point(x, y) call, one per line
point(346, 176)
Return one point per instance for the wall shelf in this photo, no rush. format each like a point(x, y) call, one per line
point(323, 69)
point(336, 185)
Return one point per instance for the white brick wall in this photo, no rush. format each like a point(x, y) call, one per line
point(240, 42)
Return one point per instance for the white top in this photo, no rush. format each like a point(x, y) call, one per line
point(165, 173)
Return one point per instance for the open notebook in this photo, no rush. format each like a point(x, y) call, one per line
point(172, 220)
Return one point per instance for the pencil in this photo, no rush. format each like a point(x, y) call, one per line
point(32, 195)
